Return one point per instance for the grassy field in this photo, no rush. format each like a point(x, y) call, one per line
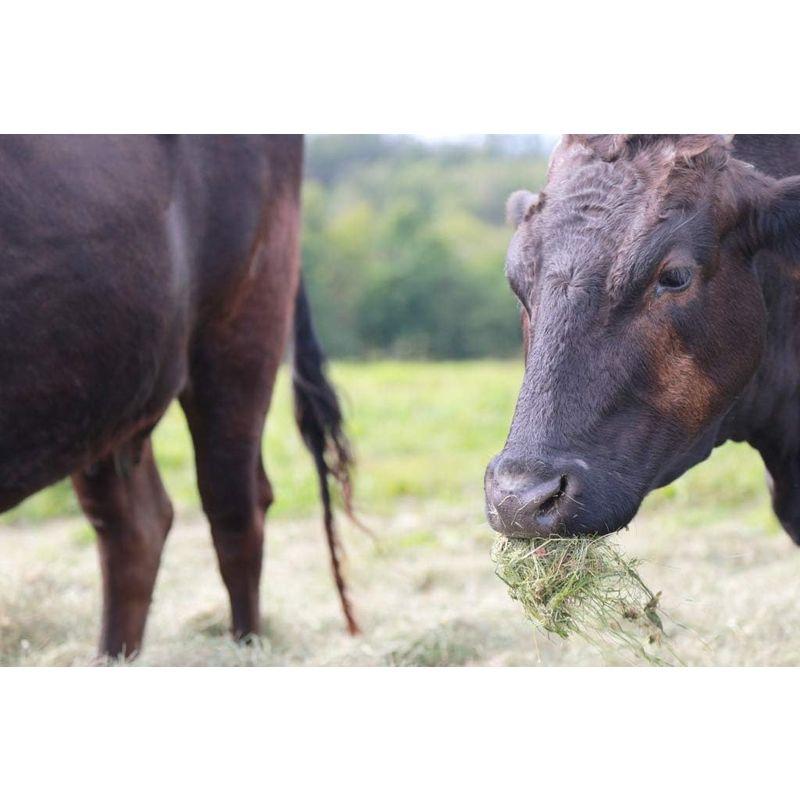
point(426, 592)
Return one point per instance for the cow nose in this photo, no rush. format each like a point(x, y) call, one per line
point(524, 501)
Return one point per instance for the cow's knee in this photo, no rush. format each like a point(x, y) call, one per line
point(266, 496)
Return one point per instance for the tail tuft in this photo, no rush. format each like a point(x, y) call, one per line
point(319, 418)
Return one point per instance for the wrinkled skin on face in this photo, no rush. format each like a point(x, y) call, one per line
point(644, 324)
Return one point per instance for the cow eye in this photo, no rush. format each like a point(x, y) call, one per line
point(674, 279)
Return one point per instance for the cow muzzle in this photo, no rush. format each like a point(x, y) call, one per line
point(528, 498)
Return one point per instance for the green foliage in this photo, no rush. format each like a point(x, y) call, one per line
point(404, 245)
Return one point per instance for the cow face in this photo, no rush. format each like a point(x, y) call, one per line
point(643, 320)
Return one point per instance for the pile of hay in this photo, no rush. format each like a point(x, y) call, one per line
point(584, 587)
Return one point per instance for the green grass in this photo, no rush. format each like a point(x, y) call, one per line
point(425, 592)
point(424, 432)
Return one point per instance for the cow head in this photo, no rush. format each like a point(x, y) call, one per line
point(642, 317)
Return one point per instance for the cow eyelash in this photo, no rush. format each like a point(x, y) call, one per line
point(674, 279)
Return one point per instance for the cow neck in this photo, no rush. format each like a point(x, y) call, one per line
point(767, 412)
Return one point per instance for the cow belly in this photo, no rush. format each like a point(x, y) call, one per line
point(68, 413)
point(92, 350)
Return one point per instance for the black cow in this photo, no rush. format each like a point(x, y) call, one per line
point(134, 270)
point(659, 284)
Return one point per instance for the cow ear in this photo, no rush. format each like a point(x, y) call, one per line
point(520, 205)
point(774, 220)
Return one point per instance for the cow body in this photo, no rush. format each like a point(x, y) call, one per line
point(114, 253)
point(135, 270)
point(661, 316)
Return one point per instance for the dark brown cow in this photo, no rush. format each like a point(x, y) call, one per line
point(659, 284)
point(134, 270)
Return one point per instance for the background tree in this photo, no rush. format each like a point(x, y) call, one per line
point(404, 243)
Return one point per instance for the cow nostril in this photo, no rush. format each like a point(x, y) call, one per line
point(549, 503)
point(525, 499)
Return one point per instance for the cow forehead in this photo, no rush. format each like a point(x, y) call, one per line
point(599, 218)
point(595, 205)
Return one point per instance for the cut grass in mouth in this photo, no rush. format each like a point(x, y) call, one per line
point(583, 587)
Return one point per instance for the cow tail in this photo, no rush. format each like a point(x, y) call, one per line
point(319, 418)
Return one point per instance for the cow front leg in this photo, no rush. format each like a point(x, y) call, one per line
point(783, 480)
point(125, 501)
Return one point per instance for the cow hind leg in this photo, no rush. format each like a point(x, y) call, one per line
point(232, 374)
point(234, 488)
point(234, 360)
point(124, 499)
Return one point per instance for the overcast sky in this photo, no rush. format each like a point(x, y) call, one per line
point(476, 137)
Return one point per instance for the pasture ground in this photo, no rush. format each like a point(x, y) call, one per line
point(426, 592)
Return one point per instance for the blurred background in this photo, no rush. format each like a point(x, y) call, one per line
point(405, 240)
point(403, 251)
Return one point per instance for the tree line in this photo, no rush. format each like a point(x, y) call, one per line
point(404, 243)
